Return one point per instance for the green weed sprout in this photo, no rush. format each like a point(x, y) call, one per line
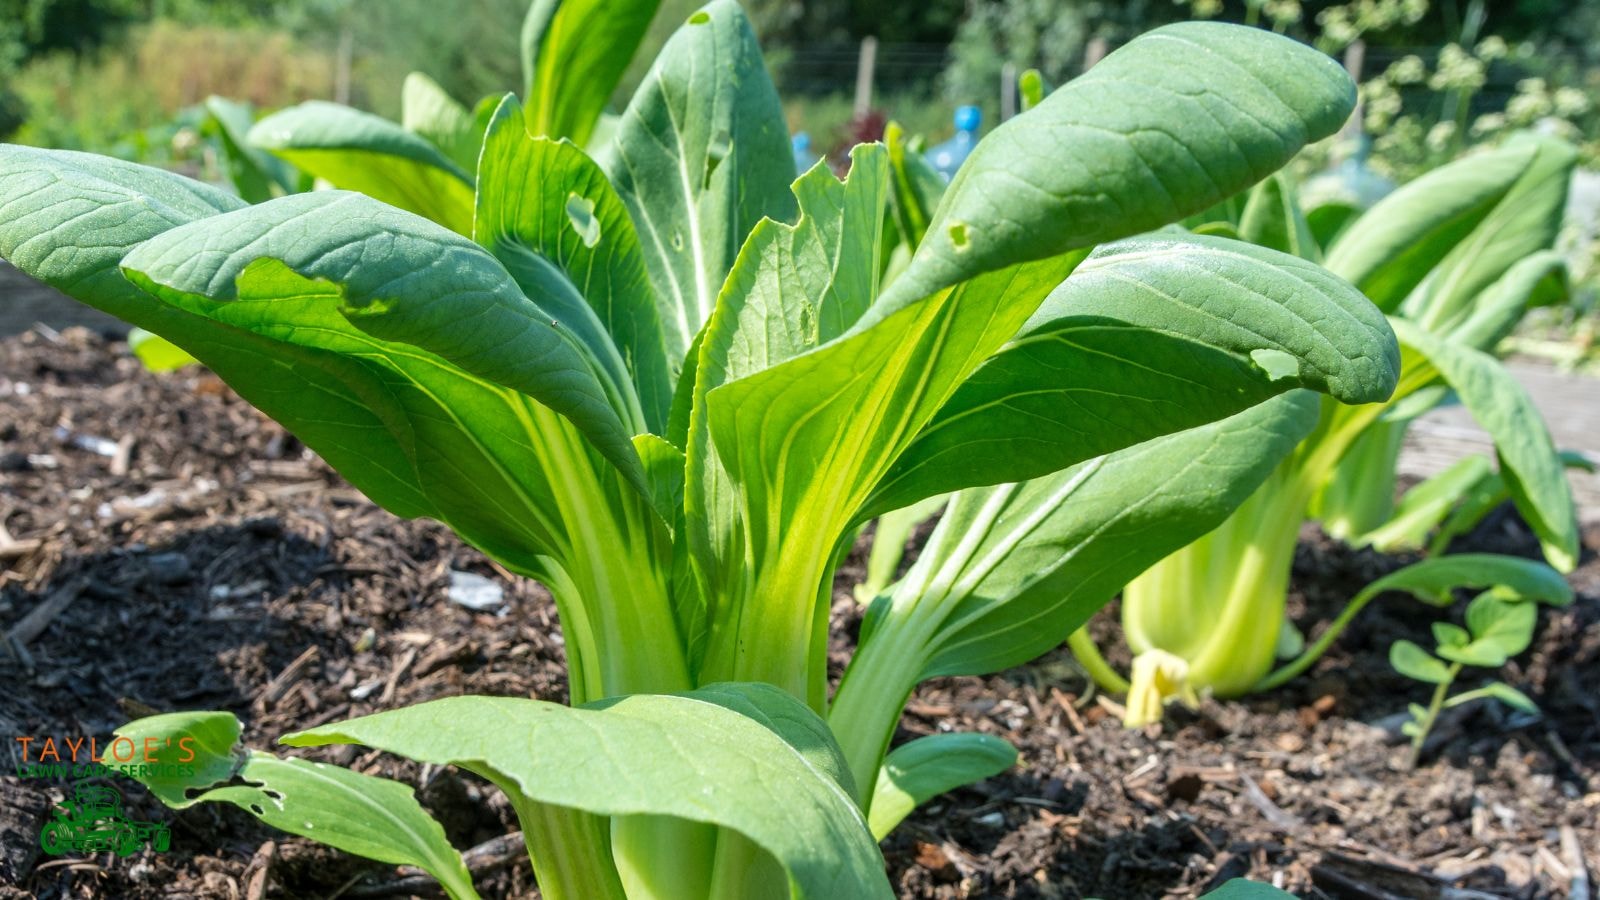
point(1499, 626)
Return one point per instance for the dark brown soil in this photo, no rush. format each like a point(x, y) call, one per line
point(213, 552)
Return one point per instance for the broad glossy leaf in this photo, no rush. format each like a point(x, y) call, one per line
point(465, 440)
point(1525, 222)
point(1011, 571)
point(1167, 125)
point(256, 174)
point(1272, 219)
point(813, 436)
point(547, 212)
point(359, 151)
point(1502, 304)
point(428, 110)
point(1460, 227)
point(796, 287)
point(806, 440)
point(1528, 459)
point(919, 770)
point(793, 287)
point(684, 756)
point(1064, 544)
point(702, 154)
point(1392, 247)
point(1432, 580)
point(361, 814)
point(799, 727)
point(69, 218)
point(401, 279)
point(573, 54)
point(1414, 662)
point(1149, 336)
point(458, 437)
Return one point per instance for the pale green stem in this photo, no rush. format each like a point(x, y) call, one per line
point(584, 678)
point(1088, 656)
point(1425, 725)
point(1250, 617)
point(743, 871)
point(571, 852)
point(895, 639)
point(614, 593)
point(1323, 642)
point(1440, 542)
point(1219, 602)
point(766, 631)
point(663, 858)
point(866, 708)
point(1359, 497)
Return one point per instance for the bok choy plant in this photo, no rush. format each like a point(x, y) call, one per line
point(671, 382)
point(1474, 295)
point(1454, 257)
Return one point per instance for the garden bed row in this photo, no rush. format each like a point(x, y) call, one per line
point(195, 556)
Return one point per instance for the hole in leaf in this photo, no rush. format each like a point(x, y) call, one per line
point(256, 809)
point(700, 18)
point(580, 212)
point(194, 792)
point(275, 795)
point(958, 236)
point(809, 324)
point(677, 240)
point(1276, 363)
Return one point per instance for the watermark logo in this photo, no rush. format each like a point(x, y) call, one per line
point(92, 821)
point(65, 757)
point(91, 818)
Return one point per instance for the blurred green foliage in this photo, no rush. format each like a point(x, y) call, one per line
point(115, 75)
point(129, 100)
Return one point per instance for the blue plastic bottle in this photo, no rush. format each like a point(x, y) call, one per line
point(803, 158)
point(948, 156)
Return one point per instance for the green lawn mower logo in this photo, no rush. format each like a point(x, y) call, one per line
point(92, 821)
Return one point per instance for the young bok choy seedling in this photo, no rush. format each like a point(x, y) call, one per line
point(672, 382)
point(1454, 257)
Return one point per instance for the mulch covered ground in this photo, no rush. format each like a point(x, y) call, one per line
point(191, 555)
